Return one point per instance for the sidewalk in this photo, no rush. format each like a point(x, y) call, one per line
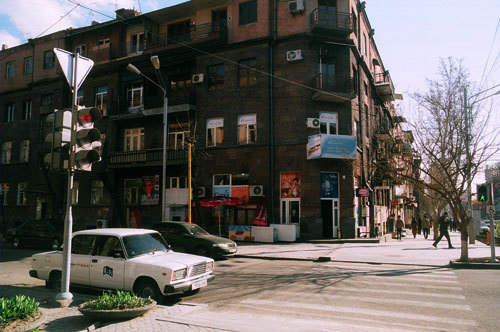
point(178, 317)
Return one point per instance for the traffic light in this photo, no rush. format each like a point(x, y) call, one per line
point(482, 193)
point(59, 139)
point(87, 138)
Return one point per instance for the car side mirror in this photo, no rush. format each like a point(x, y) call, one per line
point(117, 255)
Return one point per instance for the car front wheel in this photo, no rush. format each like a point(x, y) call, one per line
point(55, 280)
point(16, 242)
point(148, 288)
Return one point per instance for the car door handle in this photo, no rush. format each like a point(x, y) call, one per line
point(94, 261)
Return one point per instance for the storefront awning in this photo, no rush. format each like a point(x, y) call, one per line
point(220, 201)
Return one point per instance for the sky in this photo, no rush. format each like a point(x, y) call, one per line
point(411, 36)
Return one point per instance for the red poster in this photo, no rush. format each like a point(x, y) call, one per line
point(290, 185)
point(240, 192)
point(135, 218)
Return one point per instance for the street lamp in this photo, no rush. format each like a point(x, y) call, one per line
point(156, 64)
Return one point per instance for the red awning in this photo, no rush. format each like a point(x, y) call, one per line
point(220, 201)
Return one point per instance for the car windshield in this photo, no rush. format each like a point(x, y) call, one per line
point(144, 243)
point(196, 230)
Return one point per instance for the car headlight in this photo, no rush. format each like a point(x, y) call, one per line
point(210, 265)
point(179, 274)
point(221, 245)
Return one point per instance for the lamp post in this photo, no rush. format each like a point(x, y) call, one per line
point(156, 64)
point(468, 124)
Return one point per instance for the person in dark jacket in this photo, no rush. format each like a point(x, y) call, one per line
point(444, 223)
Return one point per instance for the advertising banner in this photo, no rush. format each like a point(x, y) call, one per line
point(222, 191)
point(331, 146)
point(290, 185)
point(240, 192)
point(239, 233)
point(151, 190)
point(329, 185)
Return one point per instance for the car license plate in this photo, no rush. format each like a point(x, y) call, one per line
point(198, 284)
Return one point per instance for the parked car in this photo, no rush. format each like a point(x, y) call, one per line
point(192, 238)
point(34, 232)
point(137, 260)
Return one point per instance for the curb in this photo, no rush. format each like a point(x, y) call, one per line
point(475, 266)
point(272, 258)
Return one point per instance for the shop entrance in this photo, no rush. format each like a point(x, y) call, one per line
point(290, 211)
point(330, 216)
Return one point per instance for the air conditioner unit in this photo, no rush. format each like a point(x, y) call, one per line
point(101, 223)
point(312, 123)
point(295, 55)
point(256, 191)
point(197, 78)
point(201, 192)
point(296, 6)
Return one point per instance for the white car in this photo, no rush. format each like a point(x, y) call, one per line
point(137, 260)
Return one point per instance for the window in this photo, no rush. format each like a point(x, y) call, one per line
point(82, 244)
point(131, 191)
point(28, 66)
point(327, 71)
point(134, 139)
point(137, 42)
point(176, 140)
point(25, 151)
point(364, 46)
point(48, 59)
point(215, 77)
point(354, 23)
point(21, 193)
point(247, 129)
point(179, 32)
point(215, 131)
point(81, 49)
point(6, 152)
point(328, 123)
point(240, 179)
point(9, 115)
point(248, 12)
point(79, 98)
point(4, 191)
point(222, 180)
point(247, 74)
point(176, 182)
point(27, 106)
point(75, 192)
point(135, 95)
point(103, 43)
point(96, 192)
point(108, 246)
point(101, 99)
point(10, 71)
point(47, 99)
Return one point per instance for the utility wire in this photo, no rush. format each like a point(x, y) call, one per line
point(76, 5)
point(489, 53)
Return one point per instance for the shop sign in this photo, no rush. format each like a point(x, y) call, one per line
point(331, 146)
point(222, 191)
point(394, 203)
point(151, 190)
point(329, 185)
point(240, 192)
point(290, 185)
point(364, 192)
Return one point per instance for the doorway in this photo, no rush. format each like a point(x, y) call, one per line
point(330, 216)
point(290, 211)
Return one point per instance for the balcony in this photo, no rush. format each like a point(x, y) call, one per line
point(208, 34)
point(334, 89)
point(148, 157)
point(383, 131)
point(384, 86)
point(326, 22)
point(99, 56)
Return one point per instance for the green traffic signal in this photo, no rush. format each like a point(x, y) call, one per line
point(482, 193)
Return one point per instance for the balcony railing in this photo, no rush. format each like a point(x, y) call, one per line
point(196, 34)
point(147, 157)
point(99, 55)
point(333, 22)
point(334, 88)
point(384, 86)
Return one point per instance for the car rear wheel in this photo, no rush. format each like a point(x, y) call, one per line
point(55, 244)
point(55, 280)
point(148, 288)
point(16, 242)
point(202, 251)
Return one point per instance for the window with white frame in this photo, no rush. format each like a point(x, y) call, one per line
point(21, 193)
point(27, 106)
point(101, 99)
point(25, 151)
point(131, 189)
point(137, 42)
point(9, 115)
point(96, 192)
point(222, 180)
point(28, 66)
point(328, 123)
point(103, 43)
point(134, 139)
point(4, 191)
point(6, 152)
point(247, 129)
point(81, 49)
point(176, 140)
point(10, 71)
point(176, 182)
point(79, 98)
point(215, 131)
point(75, 192)
point(135, 95)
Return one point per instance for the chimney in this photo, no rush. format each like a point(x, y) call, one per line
point(125, 13)
point(4, 47)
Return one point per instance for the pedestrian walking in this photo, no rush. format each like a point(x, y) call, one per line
point(399, 227)
point(414, 226)
point(390, 223)
point(444, 223)
point(426, 225)
point(419, 224)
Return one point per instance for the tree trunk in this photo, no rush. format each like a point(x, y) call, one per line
point(464, 251)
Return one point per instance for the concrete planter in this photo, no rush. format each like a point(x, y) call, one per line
point(26, 325)
point(116, 314)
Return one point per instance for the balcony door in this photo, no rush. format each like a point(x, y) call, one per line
point(327, 71)
point(219, 20)
point(134, 139)
point(328, 12)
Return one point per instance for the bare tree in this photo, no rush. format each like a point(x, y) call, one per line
point(439, 128)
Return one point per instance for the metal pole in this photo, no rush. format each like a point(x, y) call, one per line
point(189, 182)
point(68, 221)
point(469, 162)
point(493, 258)
point(164, 163)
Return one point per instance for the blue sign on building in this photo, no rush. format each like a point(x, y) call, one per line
point(331, 146)
point(329, 185)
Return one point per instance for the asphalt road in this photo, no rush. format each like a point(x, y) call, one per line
point(310, 296)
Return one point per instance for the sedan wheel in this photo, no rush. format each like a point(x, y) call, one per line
point(55, 281)
point(148, 288)
point(16, 243)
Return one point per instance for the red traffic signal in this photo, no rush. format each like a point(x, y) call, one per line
point(87, 116)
